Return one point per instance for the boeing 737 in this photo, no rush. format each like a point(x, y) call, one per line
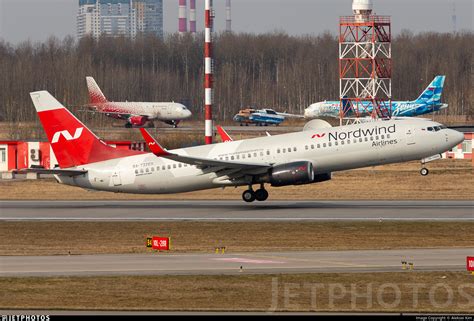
point(135, 113)
point(305, 157)
point(428, 102)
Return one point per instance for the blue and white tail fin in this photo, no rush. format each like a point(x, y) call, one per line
point(432, 93)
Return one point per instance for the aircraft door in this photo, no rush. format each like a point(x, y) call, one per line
point(116, 181)
point(410, 136)
point(3, 160)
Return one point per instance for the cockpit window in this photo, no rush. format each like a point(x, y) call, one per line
point(430, 129)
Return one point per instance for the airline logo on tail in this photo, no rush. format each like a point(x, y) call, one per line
point(67, 135)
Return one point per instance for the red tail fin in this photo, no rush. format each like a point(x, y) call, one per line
point(72, 142)
point(95, 94)
point(224, 136)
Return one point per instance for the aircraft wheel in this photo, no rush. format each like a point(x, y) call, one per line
point(261, 194)
point(248, 196)
point(424, 171)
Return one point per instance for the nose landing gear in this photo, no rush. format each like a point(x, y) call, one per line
point(260, 195)
point(424, 171)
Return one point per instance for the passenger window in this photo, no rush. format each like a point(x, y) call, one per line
point(312, 146)
point(348, 141)
point(136, 171)
point(284, 150)
point(371, 138)
point(268, 152)
point(249, 155)
point(360, 140)
point(335, 143)
point(180, 165)
point(329, 144)
point(243, 156)
point(306, 147)
point(152, 169)
point(226, 158)
point(169, 166)
point(254, 154)
point(342, 142)
point(163, 167)
point(232, 158)
point(141, 170)
point(278, 151)
point(366, 139)
point(289, 149)
point(382, 137)
point(324, 144)
point(376, 137)
point(319, 145)
point(388, 136)
point(294, 149)
point(174, 165)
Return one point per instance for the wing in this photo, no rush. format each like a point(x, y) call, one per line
point(63, 172)
point(216, 165)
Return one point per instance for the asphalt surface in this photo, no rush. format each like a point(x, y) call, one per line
point(156, 263)
point(236, 210)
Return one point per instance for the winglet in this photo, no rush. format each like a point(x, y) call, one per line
point(224, 136)
point(154, 146)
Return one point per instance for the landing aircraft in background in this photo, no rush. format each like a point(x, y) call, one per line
point(135, 113)
point(428, 102)
point(305, 157)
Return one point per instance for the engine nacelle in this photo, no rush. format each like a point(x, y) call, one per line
point(296, 173)
point(137, 120)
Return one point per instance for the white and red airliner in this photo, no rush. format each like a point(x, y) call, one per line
point(305, 157)
point(136, 113)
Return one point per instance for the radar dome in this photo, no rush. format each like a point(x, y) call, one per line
point(362, 9)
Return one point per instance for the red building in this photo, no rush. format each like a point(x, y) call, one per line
point(21, 154)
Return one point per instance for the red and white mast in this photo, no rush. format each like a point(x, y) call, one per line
point(182, 21)
point(208, 66)
point(192, 16)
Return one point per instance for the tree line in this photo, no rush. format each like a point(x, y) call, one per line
point(273, 70)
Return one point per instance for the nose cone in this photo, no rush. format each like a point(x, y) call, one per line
point(309, 112)
point(187, 113)
point(183, 111)
point(456, 137)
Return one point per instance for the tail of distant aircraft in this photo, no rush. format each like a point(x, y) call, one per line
point(432, 94)
point(95, 94)
point(72, 142)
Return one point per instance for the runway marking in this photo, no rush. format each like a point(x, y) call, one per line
point(243, 260)
point(230, 219)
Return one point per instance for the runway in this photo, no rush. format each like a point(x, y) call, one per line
point(236, 210)
point(251, 263)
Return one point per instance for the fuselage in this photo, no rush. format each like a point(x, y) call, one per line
point(329, 150)
point(399, 108)
point(165, 111)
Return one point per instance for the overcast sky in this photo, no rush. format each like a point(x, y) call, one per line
point(38, 19)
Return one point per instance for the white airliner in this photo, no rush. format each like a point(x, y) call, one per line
point(305, 157)
point(135, 113)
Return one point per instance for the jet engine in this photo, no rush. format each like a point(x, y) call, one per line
point(296, 173)
point(137, 120)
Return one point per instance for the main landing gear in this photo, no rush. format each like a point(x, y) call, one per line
point(260, 195)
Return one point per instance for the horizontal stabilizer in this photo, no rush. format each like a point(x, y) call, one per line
point(58, 171)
